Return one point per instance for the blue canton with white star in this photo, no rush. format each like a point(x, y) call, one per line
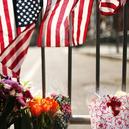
point(26, 12)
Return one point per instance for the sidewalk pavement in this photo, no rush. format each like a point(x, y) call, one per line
point(108, 52)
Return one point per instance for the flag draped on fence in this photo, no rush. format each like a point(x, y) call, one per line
point(80, 21)
point(17, 23)
point(110, 7)
point(55, 25)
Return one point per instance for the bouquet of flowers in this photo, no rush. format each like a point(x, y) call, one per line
point(13, 98)
point(51, 112)
point(110, 112)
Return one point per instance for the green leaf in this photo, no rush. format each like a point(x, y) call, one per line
point(9, 106)
point(1, 85)
point(26, 84)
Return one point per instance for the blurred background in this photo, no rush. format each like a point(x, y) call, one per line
point(83, 66)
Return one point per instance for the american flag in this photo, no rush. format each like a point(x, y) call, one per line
point(55, 26)
point(17, 23)
point(109, 7)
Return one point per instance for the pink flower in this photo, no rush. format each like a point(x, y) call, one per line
point(14, 85)
point(20, 99)
point(28, 95)
point(66, 108)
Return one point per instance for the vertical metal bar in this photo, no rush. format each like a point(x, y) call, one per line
point(70, 72)
point(43, 62)
point(43, 72)
point(124, 63)
point(97, 48)
point(70, 61)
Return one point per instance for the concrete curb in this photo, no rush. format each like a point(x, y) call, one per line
point(106, 56)
point(107, 52)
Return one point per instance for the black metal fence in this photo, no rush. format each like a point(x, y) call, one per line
point(85, 119)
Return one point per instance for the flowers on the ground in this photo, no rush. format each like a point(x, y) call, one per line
point(43, 105)
point(50, 112)
point(65, 104)
point(17, 106)
point(13, 98)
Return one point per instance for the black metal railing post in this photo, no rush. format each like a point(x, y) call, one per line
point(124, 63)
point(43, 60)
point(70, 61)
point(97, 48)
point(70, 72)
point(43, 72)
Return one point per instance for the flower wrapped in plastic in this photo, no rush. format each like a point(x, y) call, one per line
point(13, 98)
point(110, 112)
point(51, 112)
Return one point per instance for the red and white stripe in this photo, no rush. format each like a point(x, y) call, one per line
point(109, 7)
point(54, 29)
point(9, 35)
point(7, 21)
point(55, 26)
point(13, 55)
point(80, 21)
point(10, 72)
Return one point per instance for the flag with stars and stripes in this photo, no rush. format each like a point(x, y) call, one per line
point(17, 23)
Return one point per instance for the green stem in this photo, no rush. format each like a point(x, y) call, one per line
point(3, 123)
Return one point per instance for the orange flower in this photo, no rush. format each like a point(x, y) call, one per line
point(36, 110)
point(35, 106)
point(39, 105)
point(55, 106)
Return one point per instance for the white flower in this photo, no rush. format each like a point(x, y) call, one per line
point(6, 86)
point(12, 92)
